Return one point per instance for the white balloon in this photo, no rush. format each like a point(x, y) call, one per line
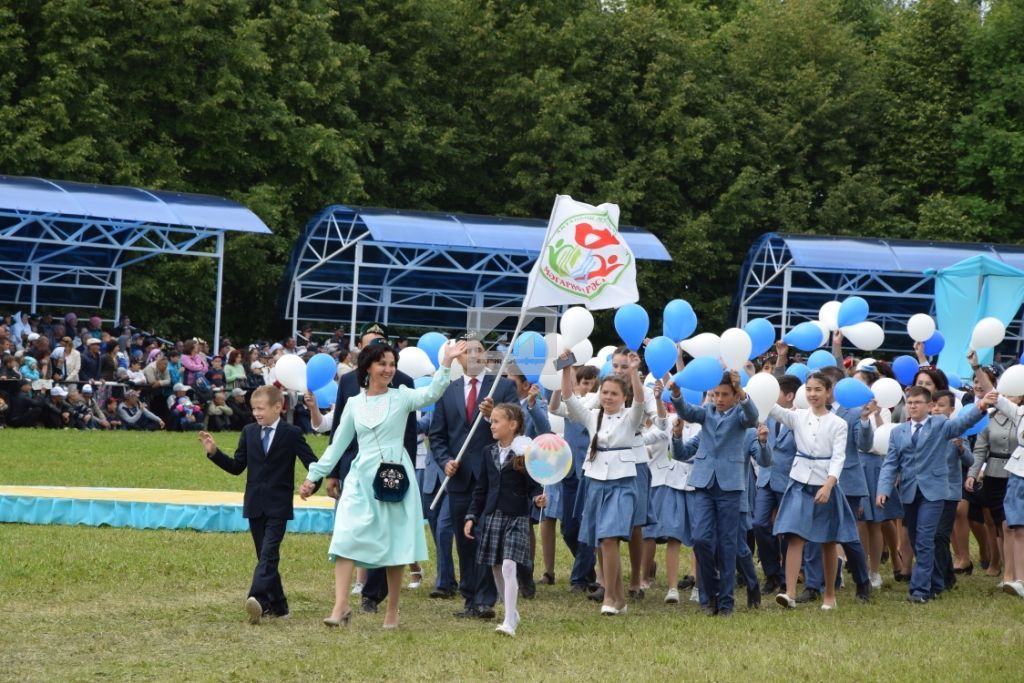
point(415, 362)
point(596, 362)
point(550, 378)
point(605, 354)
point(825, 331)
point(988, 332)
point(557, 423)
point(555, 345)
point(576, 325)
point(1011, 383)
point(735, 346)
point(457, 370)
point(800, 400)
point(920, 327)
point(886, 415)
point(270, 377)
point(880, 442)
point(888, 392)
point(583, 351)
point(703, 345)
point(763, 390)
point(649, 380)
point(866, 336)
point(829, 315)
point(290, 371)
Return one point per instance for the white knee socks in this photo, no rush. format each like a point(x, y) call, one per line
point(510, 591)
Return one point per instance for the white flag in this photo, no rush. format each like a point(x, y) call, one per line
point(584, 260)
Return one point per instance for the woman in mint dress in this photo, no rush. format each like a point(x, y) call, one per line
point(368, 532)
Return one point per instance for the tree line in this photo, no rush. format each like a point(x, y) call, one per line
point(708, 122)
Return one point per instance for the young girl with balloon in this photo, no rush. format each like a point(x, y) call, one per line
point(657, 442)
point(811, 510)
point(504, 496)
point(610, 467)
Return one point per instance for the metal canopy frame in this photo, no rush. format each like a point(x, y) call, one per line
point(783, 282)
point(65, 244)
point(423, 269)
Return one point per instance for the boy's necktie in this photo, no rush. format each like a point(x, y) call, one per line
point(266, 439)
point(913, 437)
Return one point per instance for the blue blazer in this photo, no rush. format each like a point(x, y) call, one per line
point(449, 429)
point(853, 480)
point(957, 460)
point(926, 467)
point(579, 441)
point(762, 455)
point(783, 450)
point(537, 421)
point(723, 441)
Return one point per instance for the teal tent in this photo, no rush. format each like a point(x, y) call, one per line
point(965, 292)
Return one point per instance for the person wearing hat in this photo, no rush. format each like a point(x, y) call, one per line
point(241, 413)
point(254, 377)
point(305, 337)
point(56, 413)
point(25, 410)
point(93, 406)
point(178, 392)
point(218, 413)
point(135, 415)
point(90, 366)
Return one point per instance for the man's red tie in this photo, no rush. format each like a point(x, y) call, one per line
point(471, 401)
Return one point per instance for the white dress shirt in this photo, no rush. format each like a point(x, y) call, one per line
point(818, 436)
point(273, 433)
point(618, 434)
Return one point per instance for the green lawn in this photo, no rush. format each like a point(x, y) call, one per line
point(86, 603)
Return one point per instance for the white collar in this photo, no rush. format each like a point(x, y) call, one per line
point(272, 426)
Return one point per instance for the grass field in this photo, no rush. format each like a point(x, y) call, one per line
point(99, 603)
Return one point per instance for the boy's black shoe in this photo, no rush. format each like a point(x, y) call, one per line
point(485, 612)
point(686, 582)
point(808, 595)
point(369, 605)
point(442, 593)
point(753, 597)
point(864, 591)
point(772, 586)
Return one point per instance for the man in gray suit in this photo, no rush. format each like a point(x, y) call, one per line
point(453, 417)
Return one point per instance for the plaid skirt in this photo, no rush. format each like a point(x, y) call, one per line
point(503, 537)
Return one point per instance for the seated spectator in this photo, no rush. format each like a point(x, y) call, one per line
point(241, 413)
point(234, 372)
point(109, 362)
point(3, 410)
point(136, 378)
point(218, 414)
point(56, 413)
point(174, 367)
point(194, 362)
point(135, 415)
point(29, 368)
point(255, 378)
point(89, 368)
point(215, 375)
point(89, 397)
point(11, 368)
point(72, 360)
point(110, 414)
point(81, 411)
point(189, 416)
point(25, 409)
point(44, 368)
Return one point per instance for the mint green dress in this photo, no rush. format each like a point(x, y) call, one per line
point(367, 531)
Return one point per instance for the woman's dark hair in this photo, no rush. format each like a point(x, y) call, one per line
point(600, 413)
point(586, 372)
point(188, 347)
point(788, 384)
point(987, 370)
point(234, 356)
point(870, 375)
point(825, 380)
point(513, 412)
point(938, 378)
point(370, 354)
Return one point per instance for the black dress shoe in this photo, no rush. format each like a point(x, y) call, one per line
point(485, 612)
point(369, 606)
point(529, 589)
point(864, 591)
point(772, 585)
point(578, 588)
point(711, 609)
point(597, 595)
point(442, 594)
point(808, 595)
point(467, 613)
point(900, 577)
point(725, 613)
point(753, 597)
point(969, 569)
point(686, 582)
point(916, 600)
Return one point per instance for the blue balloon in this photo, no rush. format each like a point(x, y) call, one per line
point(678, 321)
point(905, 368)
point(660, 355)
point(606, 369)
point(529, 351)
point(954, 381)
point(851, 393)
point(821, 359)
point(852, 311)
point(702, 374)
point(744, 378)
point(979, 425)
point(762, 336)
point(431, 344)
point(805, 336)
point(691, 397)
point(632, 322)
point(320, 370)
point(934, 344)
point(799, 370)
point(421, 382)
point(326, 395)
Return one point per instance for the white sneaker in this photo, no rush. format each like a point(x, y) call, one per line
point(507, 630)
point(415, 579)
point(876, 580)
point(254, 610)
point(672, 597)
point(608, 611)
point(1014, 588)
point(357, 589)
point(786, 601)
point(694, 595)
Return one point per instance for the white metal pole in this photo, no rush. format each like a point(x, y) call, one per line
point(355, 293)
point(220, 285)
point(117, 297)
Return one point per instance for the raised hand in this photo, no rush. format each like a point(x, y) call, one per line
point(762, 433)
point(206, 439)
point(453, 351)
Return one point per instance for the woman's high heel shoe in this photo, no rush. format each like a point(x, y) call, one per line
point(343, 620)
point(969, 569)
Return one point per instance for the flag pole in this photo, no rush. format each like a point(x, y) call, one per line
point(508, 353)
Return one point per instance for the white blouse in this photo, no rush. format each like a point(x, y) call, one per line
point(615, 458)
point(822, 437)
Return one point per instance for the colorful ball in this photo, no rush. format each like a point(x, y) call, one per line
point(548, 459)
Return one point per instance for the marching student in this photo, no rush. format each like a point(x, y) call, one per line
point(719, 478)
point(757, 453)
point(1013, 504)
point(957, 455)
point(668, 498)
point(611, 499)
point(917, 453)
point(503, 497)
point(811, 510)
point(657, 441)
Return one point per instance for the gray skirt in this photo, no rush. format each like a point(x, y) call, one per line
point(503, 537)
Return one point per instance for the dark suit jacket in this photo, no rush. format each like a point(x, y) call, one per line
point(505, 489)
point(349, 386)
point(449, 429)
point(270, 482)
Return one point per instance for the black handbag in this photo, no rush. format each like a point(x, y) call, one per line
point(391, 482)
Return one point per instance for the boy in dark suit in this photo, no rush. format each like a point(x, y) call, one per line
point(268, 450)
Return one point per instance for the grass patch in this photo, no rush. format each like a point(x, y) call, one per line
point(119, 603)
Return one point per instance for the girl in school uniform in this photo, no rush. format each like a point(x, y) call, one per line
point(668, 498)
point(813, 508)
point(657, 441)
point(503, 497)
point(611, 499)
